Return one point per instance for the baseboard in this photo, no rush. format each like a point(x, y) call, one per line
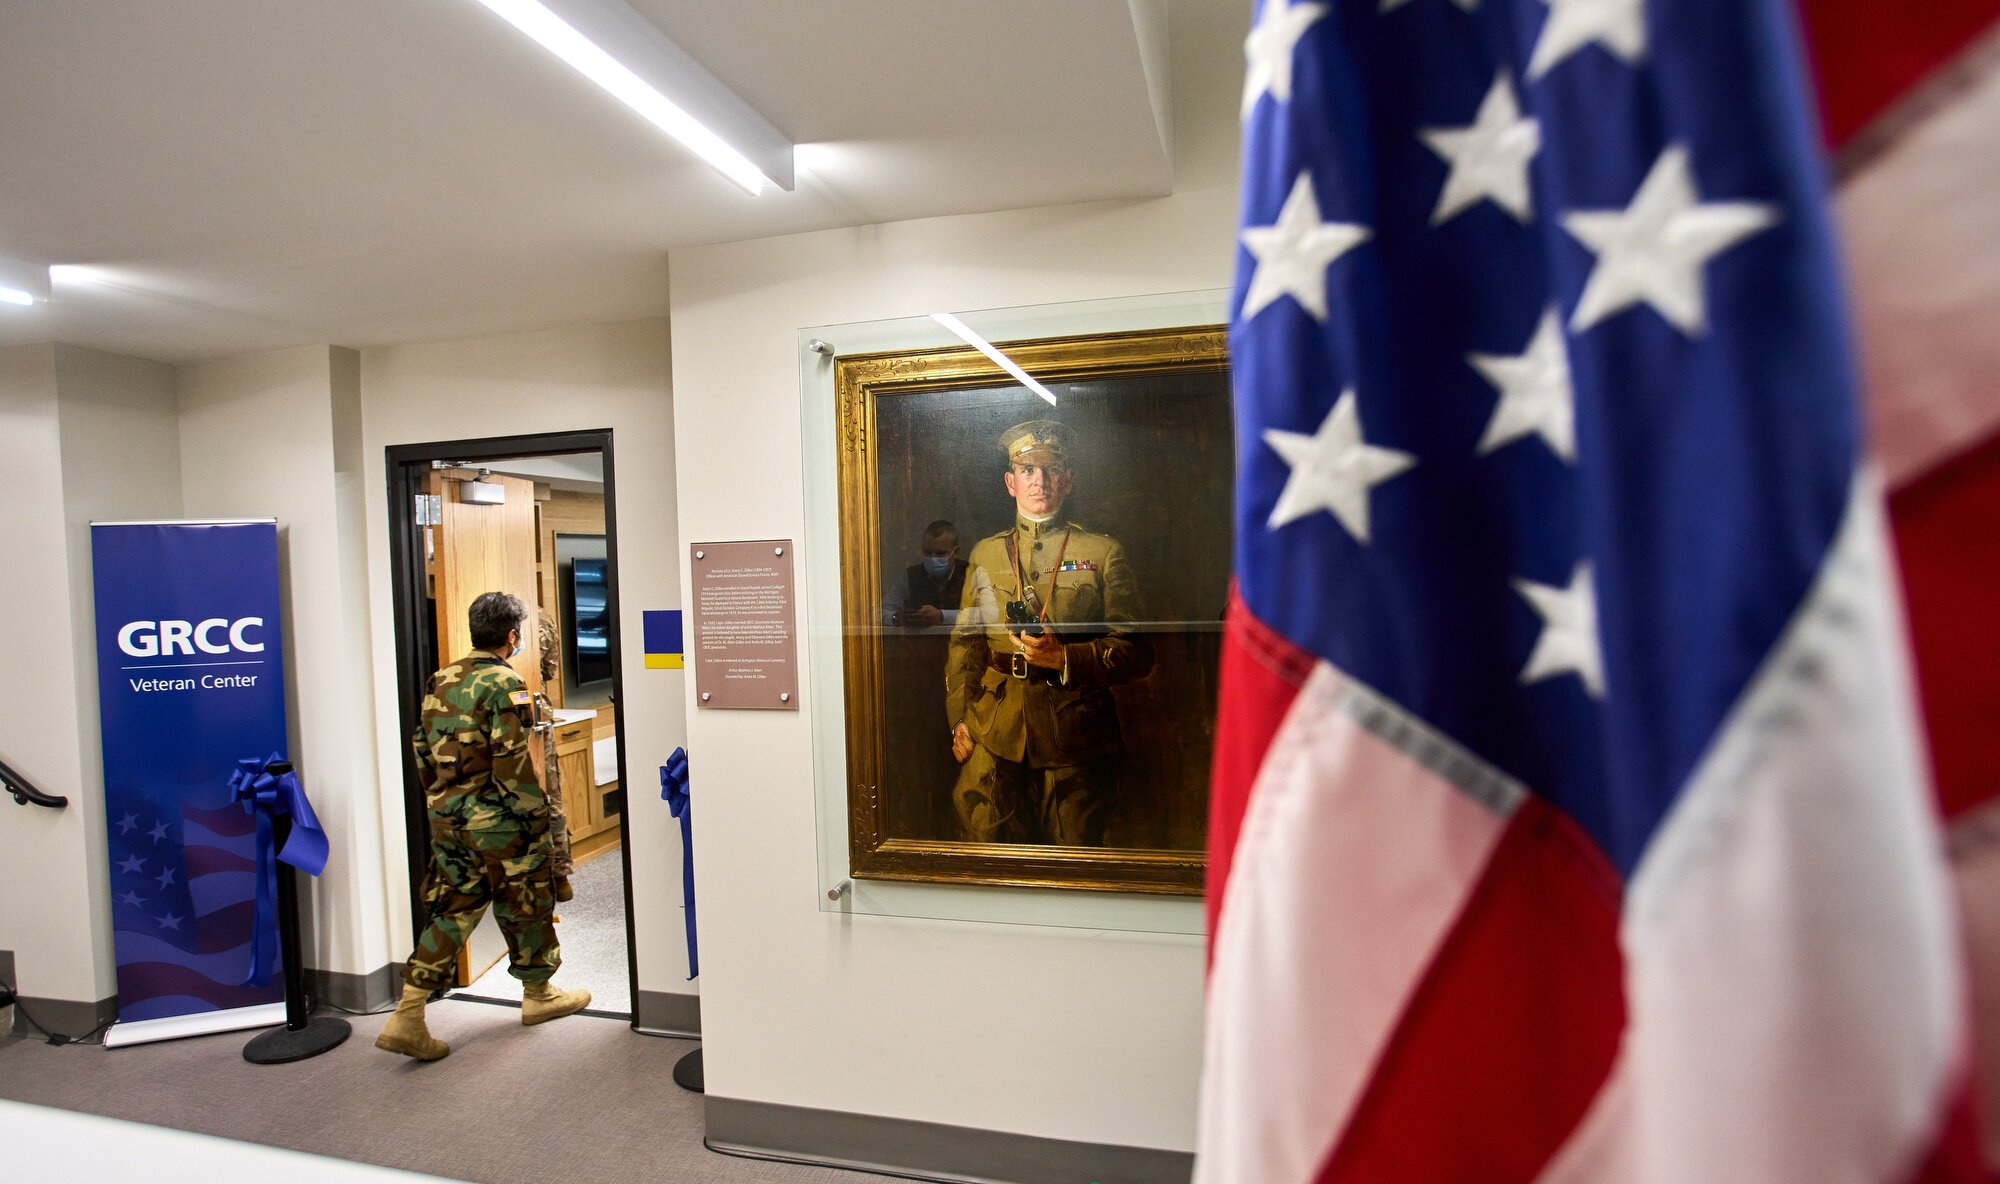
point(74, 1018)
point(71, 1017)
point(928, 1150)
point(663, 1013)
point(356, 992)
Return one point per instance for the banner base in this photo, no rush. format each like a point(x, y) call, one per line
point(201, 1023)
point(281, 1046)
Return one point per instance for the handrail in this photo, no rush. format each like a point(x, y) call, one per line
point(24, 791)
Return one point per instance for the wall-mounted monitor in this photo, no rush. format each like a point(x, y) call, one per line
point(582, 579)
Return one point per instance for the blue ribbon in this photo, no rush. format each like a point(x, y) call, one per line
point(674, 792)
point(267, 795)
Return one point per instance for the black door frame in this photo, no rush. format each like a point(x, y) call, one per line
point(409, 468)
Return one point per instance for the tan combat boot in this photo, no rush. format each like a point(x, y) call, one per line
point(541, 1002)
point(406, 1032)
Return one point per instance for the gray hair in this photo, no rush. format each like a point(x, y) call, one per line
point(492, 617)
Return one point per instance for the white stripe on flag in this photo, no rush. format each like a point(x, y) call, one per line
point(1921, 231)
point(1792, 978)
point(1354, 862)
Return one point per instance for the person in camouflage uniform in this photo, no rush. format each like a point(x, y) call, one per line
point(489, 823)
point(559, 857)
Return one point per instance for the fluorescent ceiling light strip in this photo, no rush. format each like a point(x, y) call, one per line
point(984, 346)
point(583, 55)
point(16, 296)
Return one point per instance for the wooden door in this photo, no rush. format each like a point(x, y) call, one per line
point(485, 548)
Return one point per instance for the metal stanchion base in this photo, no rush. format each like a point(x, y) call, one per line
point(282, 1045)
point(688, 1074)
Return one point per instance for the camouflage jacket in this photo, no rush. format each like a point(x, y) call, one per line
point(472, 747)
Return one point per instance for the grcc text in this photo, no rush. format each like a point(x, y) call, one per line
point(150, 639)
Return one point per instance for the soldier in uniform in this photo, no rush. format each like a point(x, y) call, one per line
point(1043, 632)
point(560, 862)
point(489, 832)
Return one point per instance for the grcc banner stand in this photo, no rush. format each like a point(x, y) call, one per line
point(190, 681)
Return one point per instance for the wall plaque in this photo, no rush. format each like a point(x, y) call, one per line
point(745, 653)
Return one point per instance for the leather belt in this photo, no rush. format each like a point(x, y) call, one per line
point(1016, 665)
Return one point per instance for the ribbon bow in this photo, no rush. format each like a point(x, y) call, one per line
point(268, 796)
point(674, 792)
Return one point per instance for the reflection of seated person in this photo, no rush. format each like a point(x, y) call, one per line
point(928, 592)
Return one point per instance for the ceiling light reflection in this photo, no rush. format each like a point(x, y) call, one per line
point(999, 359)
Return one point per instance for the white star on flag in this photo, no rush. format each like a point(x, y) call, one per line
point(1489, 158)
point(170, 921)
point(133, 899)
point(1293, 253)
point(1535, 392)
point(1655, 249)
point(1269, 50)
point(131, 863)
point(1333, 469)
point(1618, 25)
point(158, 832)
point(128, 824)
point(165, 877)
point(1569, 631)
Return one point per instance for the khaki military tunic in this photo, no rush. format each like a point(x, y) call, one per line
point(1041, 771)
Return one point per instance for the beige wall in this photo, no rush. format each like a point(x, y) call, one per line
point(600, 376)
point(83, 436)
point(278, 435)
point(1087, 1035)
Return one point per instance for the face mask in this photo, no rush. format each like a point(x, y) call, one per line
point(516, 651)
point(937, 565)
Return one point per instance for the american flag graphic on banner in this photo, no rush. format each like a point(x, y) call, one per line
point(183, 902)
point(1571, 821)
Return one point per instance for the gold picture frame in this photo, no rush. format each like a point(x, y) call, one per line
point(929, 419)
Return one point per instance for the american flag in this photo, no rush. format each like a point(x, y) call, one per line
point(1571, 821)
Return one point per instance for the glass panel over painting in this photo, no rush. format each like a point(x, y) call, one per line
point(1030, 598)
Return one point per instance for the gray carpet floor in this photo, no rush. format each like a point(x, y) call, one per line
point(577, 1099)
point(592, 934)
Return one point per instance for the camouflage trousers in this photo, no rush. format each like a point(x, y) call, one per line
point(502, 866)
point(1003, 801)
point(559, 860)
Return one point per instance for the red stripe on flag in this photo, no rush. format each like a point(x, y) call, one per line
point(1514, 1028)
point(1955, 1159)
point(1260, 675)
point(1867, 53)
point(1944, 525)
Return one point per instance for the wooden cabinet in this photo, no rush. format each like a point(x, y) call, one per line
point(590, 829)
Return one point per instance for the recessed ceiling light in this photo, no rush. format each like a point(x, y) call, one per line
point(999, 359)
point(22, 282)
point(666, 68)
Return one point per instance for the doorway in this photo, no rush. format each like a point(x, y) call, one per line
point(535, 516)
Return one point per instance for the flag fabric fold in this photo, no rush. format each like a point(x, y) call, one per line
point(1571, 821)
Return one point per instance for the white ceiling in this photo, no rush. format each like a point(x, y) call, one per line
point(250, 174)
point(578, 472)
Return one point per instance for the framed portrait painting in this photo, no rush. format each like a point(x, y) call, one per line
point(1031, 604)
